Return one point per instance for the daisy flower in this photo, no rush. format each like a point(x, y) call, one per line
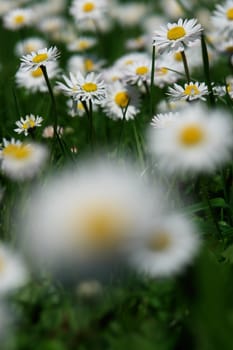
point(85, 216)
point(162, 120)
point(222, 17)
point(177, 36)
point(33, 80)
point(42, 57)
point(122, 101)
point(82, 44)
point(193, 141)
point(76, 108)
point(27, 124)
point(21, 161)
point(138, 73)
point(13, 272)
point(70, 88)
point(84, 64)
point(88, 9)
point(28, 45)
point(90, 88)
point(18, 18)
point(190, 92)
point(167, 248)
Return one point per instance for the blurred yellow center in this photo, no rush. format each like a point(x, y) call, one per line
point(88, 7)
point(89, 87)
point(129, 62)
point(141, 70)
point(17, 151)
point(191, 135)
point(229, 13)
point(229, 48)
point(191, 90)
point(162, 71)
point(80, 106)
point(40, 57)
point(176, 33)
point(29, 48)
point(122, 99)
point(83, 45)
point(160, 241)
point(19, 19)
point(177, 56)
point(88, 65)
point(37, 73)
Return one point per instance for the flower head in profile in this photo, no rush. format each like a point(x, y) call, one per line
point(39, 58)
point(177, 36)
point(21, 161)
point(199, 140)
point(191, 91)
point(28, 124)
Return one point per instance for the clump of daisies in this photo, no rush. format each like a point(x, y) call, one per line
point(197, 140)
point(100, 217)
point(28, 124)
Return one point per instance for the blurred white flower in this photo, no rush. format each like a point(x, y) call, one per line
point(199, 140)
point(169, 245)
point(21, 161)
point(28, 45)
point(18, 18)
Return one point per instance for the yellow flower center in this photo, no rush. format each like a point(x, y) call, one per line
point(129, 62)
point(229, 14)
point(122, 99)
point(40, 57)
point(88, 7)
point(29, 48)
point(162, 71)
point(177, 56)
point(191, 135)
point(80, 106)
point(37, 73)
point(102, 225)
point(176, 33)
point(17, 151)
point(89, 87)
point(88, 65)
point(191, 90)
point(83, 45)
point(229, 88)
point(19, 19)
point(29, 125)
point(142, 70)
point(160, 241)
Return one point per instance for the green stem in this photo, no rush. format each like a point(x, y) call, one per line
point(90, 121)
point(206, 66)
point(152, 82)
point(138, 145)
point(186, 67)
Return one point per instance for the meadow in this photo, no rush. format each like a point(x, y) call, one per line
point(116, 175)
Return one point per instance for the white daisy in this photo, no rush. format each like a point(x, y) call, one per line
point(82, 44)
point(199, 140)
point(13, 272)
point(88, 9)
point(27, 124)
point(138, 73)
point(42, 57)
point(222, 17)
point(84, 64)
point(177, 36)
point(162, 120)
point(122, 101)
point(169, 245)
point(28, 45)
point(21, 161)
point(191, 91)
point(85, 215)
point(33, 80)
point(126, 60)
point(18, 18)
point(90, 88)
point(70, 88)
